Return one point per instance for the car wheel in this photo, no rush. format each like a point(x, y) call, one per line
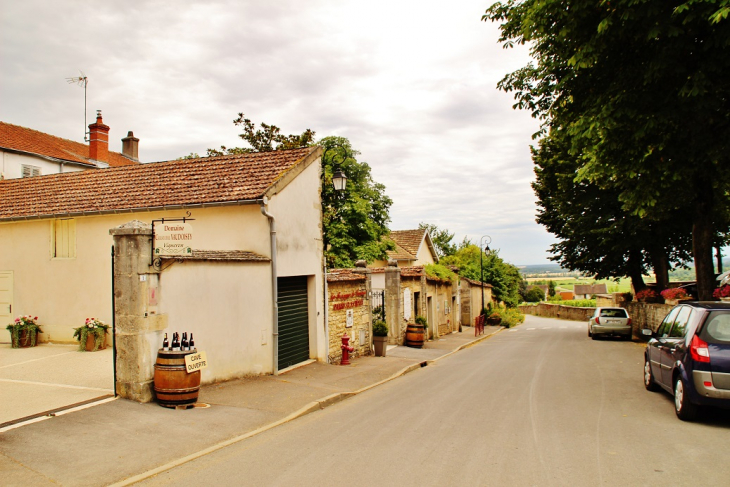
point(594, 336)
point(686, 411)
point(649, 381)
point(589, 332)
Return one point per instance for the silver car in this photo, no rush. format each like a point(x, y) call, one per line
point(610, 321)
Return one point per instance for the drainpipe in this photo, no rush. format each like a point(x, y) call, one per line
point(274, 283)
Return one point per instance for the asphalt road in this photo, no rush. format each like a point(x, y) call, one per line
point(540, 404)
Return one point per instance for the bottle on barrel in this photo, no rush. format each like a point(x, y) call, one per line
point(184, 343)
point(165, 343)
point(175, 342)
point(191, 345)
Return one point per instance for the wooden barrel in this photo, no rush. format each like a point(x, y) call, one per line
point(414, 336)
point(173, 385)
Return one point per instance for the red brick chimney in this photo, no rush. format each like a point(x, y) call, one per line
point(99, 140)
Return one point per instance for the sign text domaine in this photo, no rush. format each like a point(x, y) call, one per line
point(174, 238)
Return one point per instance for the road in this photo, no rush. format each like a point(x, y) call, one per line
point(539, 404)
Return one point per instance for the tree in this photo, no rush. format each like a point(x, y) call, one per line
point(505, 278)
point(534, 295)
point(267, 138)
point(638, 89)
point(354, 222)
point(441, 239)
point(551, 288)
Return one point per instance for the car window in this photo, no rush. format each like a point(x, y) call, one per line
point(680, 323)
point(613, 313)
point(664, 328)
point(717, 328)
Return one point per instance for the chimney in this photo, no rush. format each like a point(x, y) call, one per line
point(130, 146)
point(99, 140)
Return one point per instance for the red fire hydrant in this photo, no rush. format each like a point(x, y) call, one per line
point(346, 349)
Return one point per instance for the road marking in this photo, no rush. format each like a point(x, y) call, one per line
point(36, 359)
point(65, 386)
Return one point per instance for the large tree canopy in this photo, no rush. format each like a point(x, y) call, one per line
point(638, 92)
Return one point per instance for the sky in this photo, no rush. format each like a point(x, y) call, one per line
point(411, 84)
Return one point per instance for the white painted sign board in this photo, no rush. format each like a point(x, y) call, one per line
point(173, 238)
point(407, 306)
point(195, 361)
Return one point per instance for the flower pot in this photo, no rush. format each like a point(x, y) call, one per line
point(726, 300)
point(90, 338)
point(381, 346)
point(25, 339)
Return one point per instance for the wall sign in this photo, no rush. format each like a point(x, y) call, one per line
point(195, 361)
point(173, 238)
point(350, 318)
point(348, 298)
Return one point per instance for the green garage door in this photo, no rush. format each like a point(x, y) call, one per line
point(293, 321)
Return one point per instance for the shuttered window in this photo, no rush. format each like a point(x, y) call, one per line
point(64, 239)
point(30, 171)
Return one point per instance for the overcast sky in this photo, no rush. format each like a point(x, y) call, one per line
point(412, 85)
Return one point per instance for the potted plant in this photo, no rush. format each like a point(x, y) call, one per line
point(494, 319)
point(674, 295)
point(647, 296)
point(24, 331)
point(380, 337)
point(92, 335)
point(722, 293)
point(415, 333)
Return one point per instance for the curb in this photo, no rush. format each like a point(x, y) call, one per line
point(309, 408)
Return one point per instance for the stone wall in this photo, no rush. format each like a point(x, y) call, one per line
point(549, 310)
point(646, 315)
point(344, 296)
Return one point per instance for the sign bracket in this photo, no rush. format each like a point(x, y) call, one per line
point(157, 262)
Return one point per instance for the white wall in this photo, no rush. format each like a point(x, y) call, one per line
point(11, 165)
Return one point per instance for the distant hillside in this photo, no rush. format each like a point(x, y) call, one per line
point(546, 270)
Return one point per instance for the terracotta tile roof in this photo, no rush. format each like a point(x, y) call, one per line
point(220, 255)
point(191, 182)
point(342, 275)
point(409, 240)
point(32, 141)
point(400, 254)
point(476, 283)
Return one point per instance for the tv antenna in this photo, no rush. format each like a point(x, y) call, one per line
point(82, 80)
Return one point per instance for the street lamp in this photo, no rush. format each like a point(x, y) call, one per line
point(483, 248)
point(339, 180)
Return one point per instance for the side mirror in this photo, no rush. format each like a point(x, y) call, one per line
point(647, 332)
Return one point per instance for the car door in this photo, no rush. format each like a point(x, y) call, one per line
point(673, 346)
point(655, 347)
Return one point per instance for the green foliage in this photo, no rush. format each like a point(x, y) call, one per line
point(623, 118)
point(504, 278)
point(440, 271)
point(27, 324)
point(441, 239)
point(265, 139)
point(380, 328)
point(534, 295)
point(355, 221)
point(551, 288)
point(578, 303)
point(510, 317)
point(420, 320)
point(94, 327)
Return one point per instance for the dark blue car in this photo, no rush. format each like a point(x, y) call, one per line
point(689, 356)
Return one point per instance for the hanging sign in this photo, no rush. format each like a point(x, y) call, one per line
point(407, 306)
point(173, 238)
point(195, 361)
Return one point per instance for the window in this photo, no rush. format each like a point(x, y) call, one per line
point(717, 328)
point(30, 171)
point(613, 313)
point(63, 239)
point(663, 330)
point(680, 324)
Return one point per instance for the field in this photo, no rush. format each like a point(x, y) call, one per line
point(567, 283)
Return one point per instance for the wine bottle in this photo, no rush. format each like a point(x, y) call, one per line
point(191, 345)
point(175, 342)
point(184, 343)
point(165, 343)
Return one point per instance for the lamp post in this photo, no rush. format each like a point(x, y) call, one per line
point(483, 248)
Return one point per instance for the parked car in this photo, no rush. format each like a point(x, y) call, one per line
point(689, 356)
point(610, 322)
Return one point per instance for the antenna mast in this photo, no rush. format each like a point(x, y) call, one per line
point(82, 81)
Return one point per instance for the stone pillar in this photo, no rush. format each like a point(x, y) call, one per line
point(138, 327)
point(392, 303)
point(362, 268)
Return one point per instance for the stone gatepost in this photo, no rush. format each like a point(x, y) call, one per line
point(138, 327)
point(392, 303)
point(361, 267)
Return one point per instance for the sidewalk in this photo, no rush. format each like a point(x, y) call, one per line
point(123, 441)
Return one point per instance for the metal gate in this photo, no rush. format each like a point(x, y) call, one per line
point(293, 321)
point(378, 304)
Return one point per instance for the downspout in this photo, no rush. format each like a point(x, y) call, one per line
point(274, 284)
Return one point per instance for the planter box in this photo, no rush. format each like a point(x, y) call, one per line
point(90, 343)
point(381, 346)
